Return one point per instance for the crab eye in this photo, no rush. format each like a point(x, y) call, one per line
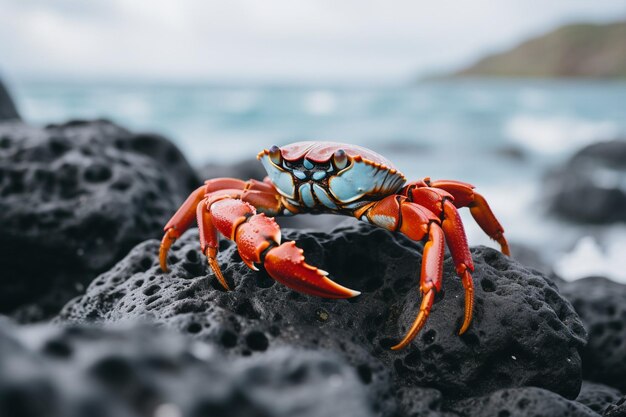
point(274, 154)
point(340, 159)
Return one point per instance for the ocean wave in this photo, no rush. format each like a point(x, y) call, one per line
point(557, 133)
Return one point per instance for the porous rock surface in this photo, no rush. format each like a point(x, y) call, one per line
point(141, 371)
point(523, 333)
point(7, 107)
point(522, 402)
point(618, 409)
point(74, 198)
point(597, 396)
point(601, 304)
point(590, 187)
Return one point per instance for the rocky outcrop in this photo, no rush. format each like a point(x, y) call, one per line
point(143, 371)
point(74, 198)
point(591, 186)
point(601, 304)
point(524, 332)
point(7, 107)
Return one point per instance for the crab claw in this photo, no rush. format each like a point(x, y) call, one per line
point(285, 263)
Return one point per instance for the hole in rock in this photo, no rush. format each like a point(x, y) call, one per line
point(365, 373)
point(194, 327)
point(487, 285)
point(228, 339)
point(257, 341)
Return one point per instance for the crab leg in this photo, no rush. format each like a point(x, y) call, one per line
point(465, 196)
point(430, 281)
point(395, 213)
point(440, 203)
point(258, 240)
point(186, 214)
point(209, 240)
point(181, 221)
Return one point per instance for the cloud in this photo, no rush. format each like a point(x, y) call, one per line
point(270, 39)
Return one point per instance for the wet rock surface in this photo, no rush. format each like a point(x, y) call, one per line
point(142, 371)
point(601, 304)
point(591, 186)
point(74, 198)
point(7, 107)
point(521, 323)
point(522, 402)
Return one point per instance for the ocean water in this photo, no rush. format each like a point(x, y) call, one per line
point(502, 136)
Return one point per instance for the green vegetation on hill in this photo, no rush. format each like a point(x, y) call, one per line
point(577, 50)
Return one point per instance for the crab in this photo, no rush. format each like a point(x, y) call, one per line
point(328, 177)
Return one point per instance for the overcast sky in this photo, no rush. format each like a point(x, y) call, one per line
point(312, 40)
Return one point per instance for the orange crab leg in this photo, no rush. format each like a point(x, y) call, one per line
point(209, 241)
point(465, 196)
point(258, 240)
point(459, 249)
point(181, 221)
point(440, 203)
point(186, 214)
point(416, 223)
point(430, 281)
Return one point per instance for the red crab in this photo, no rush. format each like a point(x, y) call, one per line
point(326, 177)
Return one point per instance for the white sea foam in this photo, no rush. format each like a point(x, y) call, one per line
point(320, 103)
point(588, 258)
point(557, 133)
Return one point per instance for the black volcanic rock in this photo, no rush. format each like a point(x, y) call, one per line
point(522, 402)
point(523, 333)
point(616, 410)
point(7, 107)
point(74, 198)
point(597, 396)
point(142, 371)
point(589, 188)
point(601, 304)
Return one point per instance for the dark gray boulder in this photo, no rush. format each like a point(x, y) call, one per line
point(601, 304)
point(590, 187)
point(597, 396)
point(524, 332)
point(7, 107)
point(142, 371)
point(74, 198)
point(522, 402)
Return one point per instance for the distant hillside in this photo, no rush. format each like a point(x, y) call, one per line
point(578, 50)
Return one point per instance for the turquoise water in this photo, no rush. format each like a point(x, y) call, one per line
point(213, 122)
point(500, 135)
